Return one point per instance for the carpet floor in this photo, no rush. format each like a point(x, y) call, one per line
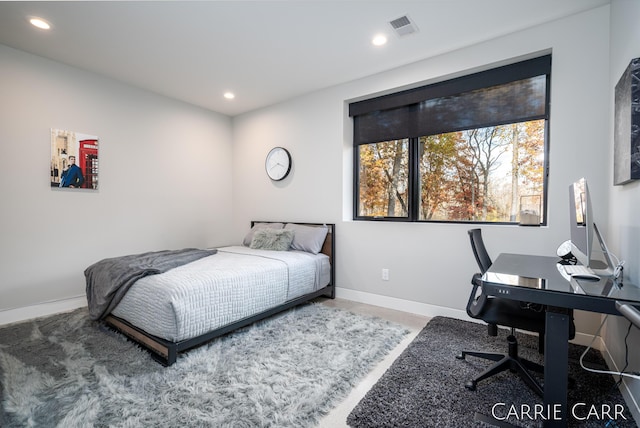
point(286, 371)
point(424, 387)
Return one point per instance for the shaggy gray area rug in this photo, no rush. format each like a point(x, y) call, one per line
point(424, 387)
point(287, 371)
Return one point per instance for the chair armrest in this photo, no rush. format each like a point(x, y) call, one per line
point(476, 302)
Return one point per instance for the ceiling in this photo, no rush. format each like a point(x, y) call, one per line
point(263, 51)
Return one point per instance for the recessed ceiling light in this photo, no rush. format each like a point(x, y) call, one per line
point(229, 95)
point(40, 23)
point(379, 40)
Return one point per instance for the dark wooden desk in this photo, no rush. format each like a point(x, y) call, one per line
point(537, 279)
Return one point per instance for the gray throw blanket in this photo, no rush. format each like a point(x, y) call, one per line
point(109, 280)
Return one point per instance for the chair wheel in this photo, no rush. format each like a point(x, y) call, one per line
point(471, 385)
point(460, 356)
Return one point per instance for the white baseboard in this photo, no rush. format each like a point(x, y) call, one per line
point(586, 339)
point(418, 308)
point(9, 316)
point(428, 310)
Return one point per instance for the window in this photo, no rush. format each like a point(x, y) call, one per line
point(470, 149)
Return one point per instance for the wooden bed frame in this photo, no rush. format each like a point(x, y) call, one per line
point(166, 352)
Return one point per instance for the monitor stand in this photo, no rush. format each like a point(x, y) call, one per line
point(601, 267)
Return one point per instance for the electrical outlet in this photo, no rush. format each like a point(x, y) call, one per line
point(385, 274)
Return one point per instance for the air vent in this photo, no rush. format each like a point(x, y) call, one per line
point(403, 26)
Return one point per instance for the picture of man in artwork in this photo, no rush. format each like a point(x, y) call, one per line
point(72, 175)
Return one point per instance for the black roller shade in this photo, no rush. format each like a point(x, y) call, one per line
point(507, 94)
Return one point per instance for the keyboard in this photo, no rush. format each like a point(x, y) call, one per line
point(572, 270)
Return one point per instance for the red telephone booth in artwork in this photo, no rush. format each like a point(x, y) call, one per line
point(88, 163)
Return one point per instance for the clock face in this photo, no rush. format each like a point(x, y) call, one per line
point(278, 163)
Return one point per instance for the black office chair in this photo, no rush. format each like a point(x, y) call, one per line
point(506, 312)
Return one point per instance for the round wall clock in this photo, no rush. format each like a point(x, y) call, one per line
point(278, 163)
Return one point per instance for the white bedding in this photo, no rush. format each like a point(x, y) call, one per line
point(214, 291)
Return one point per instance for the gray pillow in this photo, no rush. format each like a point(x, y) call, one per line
point(257, 226)
point(307, 238)
point(272, 239)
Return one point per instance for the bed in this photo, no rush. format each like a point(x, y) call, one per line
point(188, 305)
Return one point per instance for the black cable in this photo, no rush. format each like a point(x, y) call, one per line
point(626, 357)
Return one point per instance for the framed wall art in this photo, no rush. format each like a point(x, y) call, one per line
point(74, 160)
point(626, 137)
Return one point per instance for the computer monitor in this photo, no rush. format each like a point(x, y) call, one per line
point(581, 221)
point(584, 229)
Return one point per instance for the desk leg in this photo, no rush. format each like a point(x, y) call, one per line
point(556, 364)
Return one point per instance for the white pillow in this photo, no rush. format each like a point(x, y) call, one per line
point(307, 238)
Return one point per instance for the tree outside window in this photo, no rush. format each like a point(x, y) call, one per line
point(383, 178)
point(469, 174)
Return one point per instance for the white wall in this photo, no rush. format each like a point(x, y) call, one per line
point(429, 263)
point(624, 227)
point(165, 177)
